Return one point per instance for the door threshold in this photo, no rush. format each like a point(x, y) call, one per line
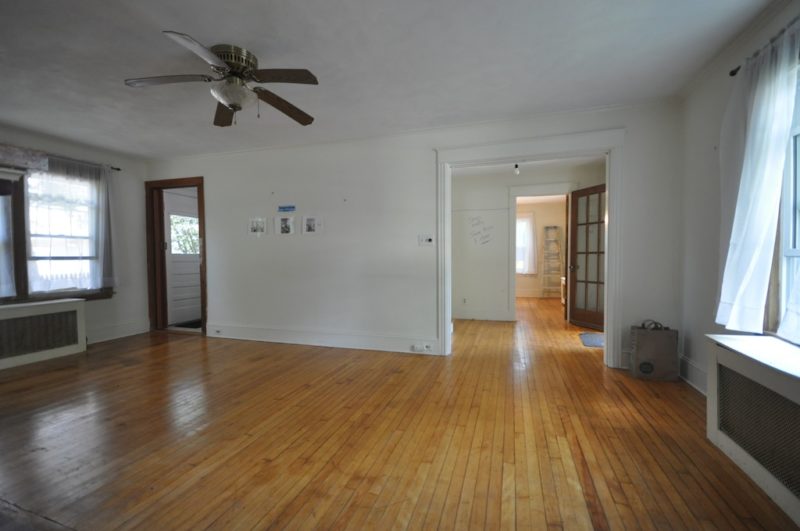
point(184, 330)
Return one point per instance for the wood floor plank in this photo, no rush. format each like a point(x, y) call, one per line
point(522, 427)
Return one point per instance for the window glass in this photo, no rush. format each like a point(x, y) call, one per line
point(62, 223)
point(184, 234)
point(794, 237)
point(6, 245)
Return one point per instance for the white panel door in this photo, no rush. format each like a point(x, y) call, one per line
point(182, 255)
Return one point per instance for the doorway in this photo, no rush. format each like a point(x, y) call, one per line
point(604, 143)
point(176, 254)
point(541, 240)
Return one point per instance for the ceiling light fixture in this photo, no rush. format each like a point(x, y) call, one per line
point(516, 169)
point(233, 93)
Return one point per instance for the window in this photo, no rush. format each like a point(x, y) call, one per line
point(184, 234)
point(7, 288)
point(789, 263)
point(64, 249)
point(526, 244)
point(759, 152)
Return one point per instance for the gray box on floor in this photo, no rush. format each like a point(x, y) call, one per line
point(654, 353)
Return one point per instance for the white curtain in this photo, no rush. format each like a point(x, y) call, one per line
point(764, 99)
point(68, 229)
point(526, 244)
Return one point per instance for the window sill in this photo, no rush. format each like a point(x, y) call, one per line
point(89, 295)
point(767, 350)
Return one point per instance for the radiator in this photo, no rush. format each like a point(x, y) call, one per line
point(753, 406)
point(38, 331)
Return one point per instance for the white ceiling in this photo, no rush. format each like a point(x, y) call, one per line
point(384, 66)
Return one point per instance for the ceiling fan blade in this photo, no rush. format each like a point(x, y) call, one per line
point(285, 75)
point(284, 106)
point(165, 80)
point(198, 49)
point(224, 116)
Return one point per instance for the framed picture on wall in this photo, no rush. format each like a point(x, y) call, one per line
point(257, 226)
point(312, 224)
point(284, 225)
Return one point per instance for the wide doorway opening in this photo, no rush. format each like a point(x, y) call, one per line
point(531, 230)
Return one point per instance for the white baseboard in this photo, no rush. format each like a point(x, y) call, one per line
point(483, 314)
point(96, 334)
point(692, 374)
point(324, 338)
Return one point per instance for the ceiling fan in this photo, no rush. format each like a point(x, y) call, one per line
point(234, 67)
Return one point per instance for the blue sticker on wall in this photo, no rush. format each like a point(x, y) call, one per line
point(286, 208)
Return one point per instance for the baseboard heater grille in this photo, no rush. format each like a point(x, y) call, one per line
point(35, 333)
point(763, 423)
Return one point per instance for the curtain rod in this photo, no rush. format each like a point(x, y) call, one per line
point(735, 71)
point(70, 159)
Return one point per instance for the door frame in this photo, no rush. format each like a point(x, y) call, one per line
point(529, 190)
point(156, 264)
point(608, 143)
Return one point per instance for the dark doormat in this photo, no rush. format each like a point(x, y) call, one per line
point(592, 339)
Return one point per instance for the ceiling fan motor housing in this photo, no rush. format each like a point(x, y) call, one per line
point(240, 61)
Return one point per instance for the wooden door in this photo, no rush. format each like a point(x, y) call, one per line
point(182, 255)
point(587, 256)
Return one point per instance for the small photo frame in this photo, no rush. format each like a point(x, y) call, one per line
point(257, 227)
point(284, 225)
point(312, 224)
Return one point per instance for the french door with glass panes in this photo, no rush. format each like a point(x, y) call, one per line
point(587, 256)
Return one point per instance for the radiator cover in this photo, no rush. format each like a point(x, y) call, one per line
point(764, 423)
point(31, 332)
point(35, 333)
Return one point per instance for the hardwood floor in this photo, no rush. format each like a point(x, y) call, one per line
point(521, 427)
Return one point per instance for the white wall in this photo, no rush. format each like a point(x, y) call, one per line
point(365, 281)
point(126, 312)
point(551, 213)
point(481, 268)
point(705, 100)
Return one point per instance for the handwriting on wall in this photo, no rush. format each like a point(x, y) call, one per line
point(479, 231)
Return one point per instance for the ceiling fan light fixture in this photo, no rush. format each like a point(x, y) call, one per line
point(234, 93)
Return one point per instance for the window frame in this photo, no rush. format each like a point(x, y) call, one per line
point(20, 258)
point(789, 232)
point(790, 235)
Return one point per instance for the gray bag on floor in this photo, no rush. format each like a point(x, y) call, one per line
point(654, 351)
